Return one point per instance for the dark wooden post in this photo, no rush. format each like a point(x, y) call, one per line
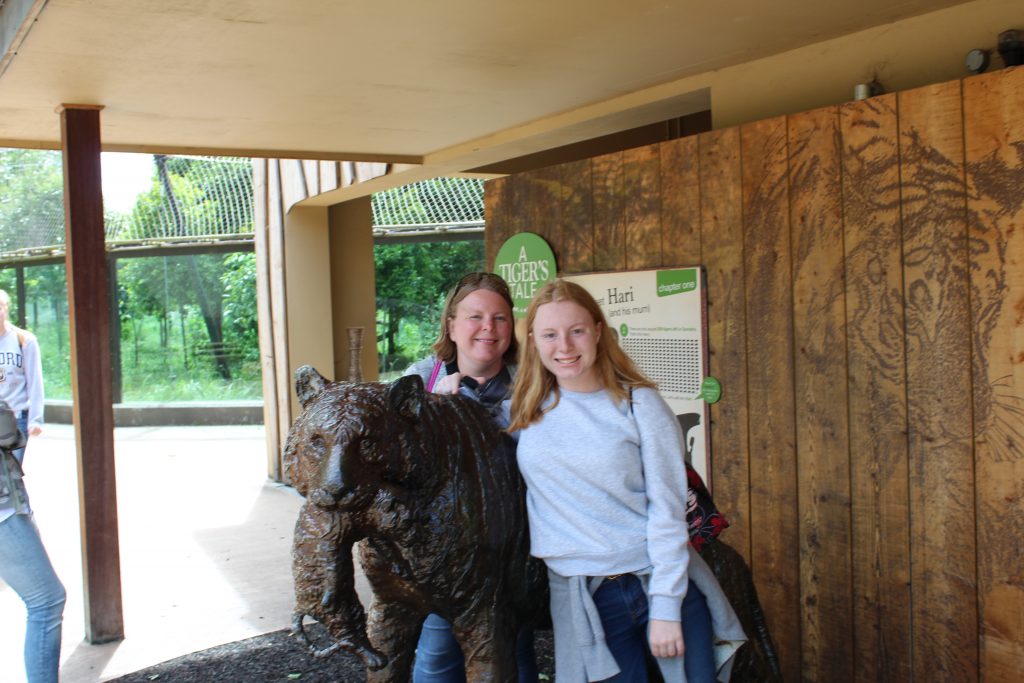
point(88, 318)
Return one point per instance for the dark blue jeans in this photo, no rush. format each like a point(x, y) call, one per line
point(439, 658)
point(622, 605)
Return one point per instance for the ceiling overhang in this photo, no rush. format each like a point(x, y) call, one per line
point(443, 87)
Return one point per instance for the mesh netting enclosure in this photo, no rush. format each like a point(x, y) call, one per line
point(189, 199)
point(438, 206)
point(201, 199)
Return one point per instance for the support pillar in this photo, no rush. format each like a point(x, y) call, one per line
point(89, 327)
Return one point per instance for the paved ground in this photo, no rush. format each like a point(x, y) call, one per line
point(205, 546)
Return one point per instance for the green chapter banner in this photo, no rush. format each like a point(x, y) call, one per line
point(670, 282)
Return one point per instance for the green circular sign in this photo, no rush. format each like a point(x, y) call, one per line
point(623, 330)
point(710, 390)
point(525, 262)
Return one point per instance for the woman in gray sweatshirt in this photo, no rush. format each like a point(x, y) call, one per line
point(601, 454)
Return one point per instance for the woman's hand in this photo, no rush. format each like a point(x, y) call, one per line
point(35, 430)
point(666, 638)
point(449, 384)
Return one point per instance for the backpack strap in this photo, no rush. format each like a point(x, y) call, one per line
point(21, 336)
point(433, 376)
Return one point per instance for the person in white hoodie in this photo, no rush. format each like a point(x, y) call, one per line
point(21, 374)
point(602, 456)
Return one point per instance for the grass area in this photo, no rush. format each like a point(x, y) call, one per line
point(152, 371)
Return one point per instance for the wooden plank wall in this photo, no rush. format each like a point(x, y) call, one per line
point(279, 184)
point(865, 298)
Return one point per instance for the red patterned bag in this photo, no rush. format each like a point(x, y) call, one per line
point(704, 520)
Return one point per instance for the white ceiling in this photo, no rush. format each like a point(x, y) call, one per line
point(393, 80)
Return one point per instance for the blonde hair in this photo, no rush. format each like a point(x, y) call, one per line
point(444, 348)
point(616, 371)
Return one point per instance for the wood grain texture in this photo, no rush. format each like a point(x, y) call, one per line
point(88, 323)
point(821, 403)
point(496, 228)
point(275, 443)
point(293, 182)
point(641, 195)
point(994, 137)
point(517, 192)
point(771, 531)
point(311, 174)
point(721, 240)
point(608, 202)
point(943, 576)
point(866, 294)
point(576, 231)
point(328, 176)
point(278, 293)
point(877, 390)
point(680, 202)
point(540, 204)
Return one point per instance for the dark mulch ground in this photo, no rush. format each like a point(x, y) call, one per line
point(279, 658)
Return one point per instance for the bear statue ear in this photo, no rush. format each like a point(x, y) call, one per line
point(309, 384)
point(405, 396)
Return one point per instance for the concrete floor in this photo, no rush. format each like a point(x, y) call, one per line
point(205, 546)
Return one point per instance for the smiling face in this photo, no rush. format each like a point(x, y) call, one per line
point(565, 336)
point(482, 331)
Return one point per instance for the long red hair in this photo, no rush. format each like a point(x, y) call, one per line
point(616, 370)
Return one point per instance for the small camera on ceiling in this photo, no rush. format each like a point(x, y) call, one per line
point(1011, 47)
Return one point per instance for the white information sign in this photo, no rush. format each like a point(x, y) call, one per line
point(659, 316)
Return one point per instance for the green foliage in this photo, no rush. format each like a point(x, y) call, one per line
point(189, 198)
point(165, 348)
point(31, 198)
point(412, 281)
point(188, 322)
point(240, 306)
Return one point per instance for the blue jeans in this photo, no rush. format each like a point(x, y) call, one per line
point(622, 605)
point(22, 419)
point(26, 568)
point(439, 658)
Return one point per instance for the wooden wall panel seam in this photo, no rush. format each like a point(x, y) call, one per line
point(876, 386)
point(994, 139)
point(938, 345)
point(821, 383)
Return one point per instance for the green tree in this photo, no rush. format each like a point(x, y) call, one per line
point(31, 199)
point(241, 327)
point(412, 281)
point(189, 200)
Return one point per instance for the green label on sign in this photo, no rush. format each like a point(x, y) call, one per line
point(710, 390)
point(525, 262)
point(623, 330)
point(676, 281)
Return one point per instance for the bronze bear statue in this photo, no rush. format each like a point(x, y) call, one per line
point(432, 485)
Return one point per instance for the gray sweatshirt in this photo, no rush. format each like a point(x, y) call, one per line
point(606, 492)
